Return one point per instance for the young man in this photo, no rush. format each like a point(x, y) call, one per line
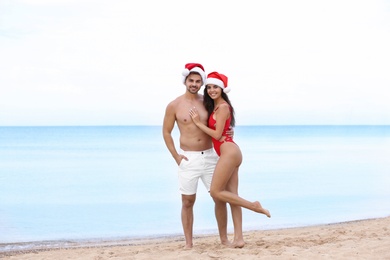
point(196, 158)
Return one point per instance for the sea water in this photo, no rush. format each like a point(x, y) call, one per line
point(115, 182)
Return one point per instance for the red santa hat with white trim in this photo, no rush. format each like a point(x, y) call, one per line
point(218, 79)
point(193, 67)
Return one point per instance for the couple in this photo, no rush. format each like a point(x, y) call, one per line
point(204, 122)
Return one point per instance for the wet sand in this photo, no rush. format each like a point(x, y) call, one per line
point(363, 239)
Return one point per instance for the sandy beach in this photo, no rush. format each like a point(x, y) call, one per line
point(363, 239)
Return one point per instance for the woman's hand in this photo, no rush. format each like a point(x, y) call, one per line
point(195, 115)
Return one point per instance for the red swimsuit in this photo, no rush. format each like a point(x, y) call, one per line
point(225, 137)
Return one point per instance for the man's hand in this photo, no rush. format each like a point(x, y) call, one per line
point(179, 158)
point(230, 132)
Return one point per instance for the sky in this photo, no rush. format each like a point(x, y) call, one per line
point(95, 62)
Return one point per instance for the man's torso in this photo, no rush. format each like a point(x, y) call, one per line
point(191, 137)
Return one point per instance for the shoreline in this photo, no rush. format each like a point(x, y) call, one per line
point(365, 239)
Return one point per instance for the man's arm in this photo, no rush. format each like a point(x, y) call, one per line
point(168, 124)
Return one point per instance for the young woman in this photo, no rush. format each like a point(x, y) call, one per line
point(224, 185)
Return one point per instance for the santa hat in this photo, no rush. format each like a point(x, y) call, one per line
point(218, 79)
point(193, 67)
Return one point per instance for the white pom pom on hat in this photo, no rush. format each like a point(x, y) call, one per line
point(218, 79)
point(193, 67)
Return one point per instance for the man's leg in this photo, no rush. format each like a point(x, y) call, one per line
point(187, 217)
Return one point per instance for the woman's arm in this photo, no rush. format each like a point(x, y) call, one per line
point(221, 115)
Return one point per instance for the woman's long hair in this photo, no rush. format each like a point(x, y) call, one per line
point(208, 103)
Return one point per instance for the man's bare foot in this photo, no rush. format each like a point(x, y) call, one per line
point(260, 209)
point(238, 244)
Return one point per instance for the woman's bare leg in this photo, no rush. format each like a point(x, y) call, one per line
point(227, 164)
point(232, 186)
point(221, 216)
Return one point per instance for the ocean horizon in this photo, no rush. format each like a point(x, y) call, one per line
point(61, 183)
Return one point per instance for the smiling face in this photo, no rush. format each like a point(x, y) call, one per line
point(214, 91)
point(193, 83)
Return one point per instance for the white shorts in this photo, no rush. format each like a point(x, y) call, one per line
point(199, 165)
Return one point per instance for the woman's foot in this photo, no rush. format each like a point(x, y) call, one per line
point(238, 244)
point(188, 246)
point(226, 243)
point(260, 209)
